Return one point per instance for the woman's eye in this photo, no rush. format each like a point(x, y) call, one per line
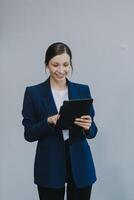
point(55, 65)
point(66, 65)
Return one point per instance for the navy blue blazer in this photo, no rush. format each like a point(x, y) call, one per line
point(50, 164)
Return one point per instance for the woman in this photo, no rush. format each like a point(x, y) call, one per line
point(62, 156)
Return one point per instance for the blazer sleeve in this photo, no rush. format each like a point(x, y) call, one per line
point(91, 133)
point(33, 129)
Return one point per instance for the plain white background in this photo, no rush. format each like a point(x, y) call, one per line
point(100, 35)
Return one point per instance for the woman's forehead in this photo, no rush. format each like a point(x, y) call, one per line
point(61, 58)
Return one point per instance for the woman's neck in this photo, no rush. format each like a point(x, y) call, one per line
point(61, 85)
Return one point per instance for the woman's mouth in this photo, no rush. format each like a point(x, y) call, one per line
point(59, 76)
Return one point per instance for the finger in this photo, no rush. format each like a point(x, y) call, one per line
point(54, 120)
point(89, 123)
point(58, 116)
point(51, 120)
point(82, 124)
point(86, 116)
point(86, 127)
point(83, 120)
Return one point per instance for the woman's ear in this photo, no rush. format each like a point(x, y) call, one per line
point(46, 65)
point(46, 69)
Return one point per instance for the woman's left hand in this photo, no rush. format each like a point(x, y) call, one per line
point(84, 122)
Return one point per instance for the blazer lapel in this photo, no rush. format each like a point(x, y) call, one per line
point(73, 92)
point(48, 98)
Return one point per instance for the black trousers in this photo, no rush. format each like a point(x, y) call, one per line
point(73, 193)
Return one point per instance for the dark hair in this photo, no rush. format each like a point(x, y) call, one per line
point(55, 49)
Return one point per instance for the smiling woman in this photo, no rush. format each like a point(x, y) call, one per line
point(59, 67)
point(65, 158)
point(58, 60)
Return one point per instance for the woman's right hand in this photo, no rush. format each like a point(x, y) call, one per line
point(53, 119)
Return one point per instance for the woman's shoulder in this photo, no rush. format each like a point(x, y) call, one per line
point(82, 88)
point(80, 85)
point(35, 88)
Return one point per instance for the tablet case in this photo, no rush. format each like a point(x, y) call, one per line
point(72, 109)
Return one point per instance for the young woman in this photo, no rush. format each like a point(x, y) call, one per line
point(62, 156)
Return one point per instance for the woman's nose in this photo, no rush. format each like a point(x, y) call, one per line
point(60, 69)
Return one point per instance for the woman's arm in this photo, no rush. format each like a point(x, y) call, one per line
point(33, 130)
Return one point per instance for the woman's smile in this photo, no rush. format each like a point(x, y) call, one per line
point(60, 75)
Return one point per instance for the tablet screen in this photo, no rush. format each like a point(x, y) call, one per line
point(72, 109)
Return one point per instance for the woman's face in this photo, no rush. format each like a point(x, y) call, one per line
point(59, 67)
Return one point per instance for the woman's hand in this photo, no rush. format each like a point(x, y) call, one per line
point(84, 122)
point(53, 119)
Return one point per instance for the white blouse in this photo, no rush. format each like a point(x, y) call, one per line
point(59, 97)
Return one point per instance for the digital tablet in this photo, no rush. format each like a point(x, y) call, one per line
point(72, 109)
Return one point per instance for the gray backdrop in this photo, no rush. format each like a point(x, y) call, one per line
point(101, 36)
